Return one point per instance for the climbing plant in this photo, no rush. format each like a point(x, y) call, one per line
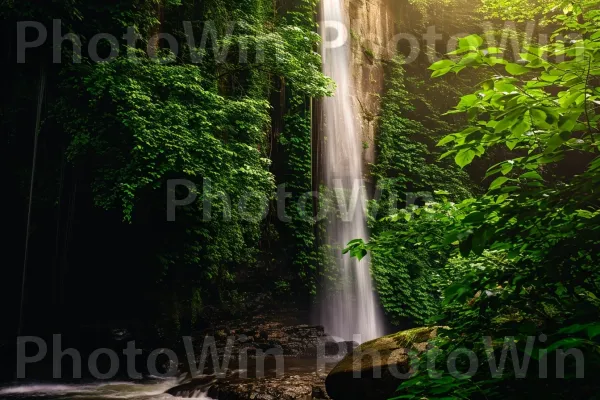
point(408, 281)
point(297, 142)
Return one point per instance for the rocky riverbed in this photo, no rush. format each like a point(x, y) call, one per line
point(269, 356)
point(302, 386)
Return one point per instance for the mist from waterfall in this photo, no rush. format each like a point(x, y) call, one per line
point(348, 306)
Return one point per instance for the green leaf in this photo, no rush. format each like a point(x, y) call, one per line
point(506, 168)
point(355, 242)
point(493, 50)
point(532, 175)
point(463, 50)
point(593, 330)
point(441, 65)
point(554, 142)
point(476, 218)
point(358, 252)
point(567, 122)
point(464, 157)
point(451, 237)
point(575, 328)
point(539, 118)
point(520, 128)
point(440, 72)
point(584, 214)
point(509, 189)
point(495, 60)
point(471, 40)
point(549, 78)
point(446, 140)
point(470, 58)
point(498, 182)
point(569, 98)
point(501, 198)
point(467, 101)
point(565, 343)
point(505, 123)
point(455, 292)
point(516, 69)
point(446, 154)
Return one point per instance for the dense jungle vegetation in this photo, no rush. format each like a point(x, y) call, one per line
point(486, 162)
point(522, 258)
point(111, 135)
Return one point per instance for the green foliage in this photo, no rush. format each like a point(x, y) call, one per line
point(369, 53)
point(519, 10)
point(524, 255)
point(168, 124)
point(406, 162)
point(296, 139)
point(204, 115)
point(408, 281)
point(508, 10)
point(171, 126)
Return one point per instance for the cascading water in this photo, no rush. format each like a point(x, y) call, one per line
point(350, 307)
point(151, 390)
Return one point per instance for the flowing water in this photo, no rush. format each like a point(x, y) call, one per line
point(350, 306)
point(166, 388)
point(154, 390)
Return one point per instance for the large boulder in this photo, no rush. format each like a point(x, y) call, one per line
point(376, 368)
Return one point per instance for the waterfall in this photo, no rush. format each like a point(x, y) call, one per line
point(349, 305)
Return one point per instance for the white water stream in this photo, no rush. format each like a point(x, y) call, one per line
point(351, 307)
point(94, 391)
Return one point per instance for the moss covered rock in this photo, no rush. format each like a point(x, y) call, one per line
point(376, 368)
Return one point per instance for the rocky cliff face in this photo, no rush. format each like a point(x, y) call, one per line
point(372, 28)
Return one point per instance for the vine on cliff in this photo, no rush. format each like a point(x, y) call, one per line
point(297, 141)
point(407, 174)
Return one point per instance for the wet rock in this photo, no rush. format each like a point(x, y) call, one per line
point(333, 348)
point(261, 334)
point(192, 388)
point(319, 392)
point(380, 372)
point(309, 386)
point(297, 387)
